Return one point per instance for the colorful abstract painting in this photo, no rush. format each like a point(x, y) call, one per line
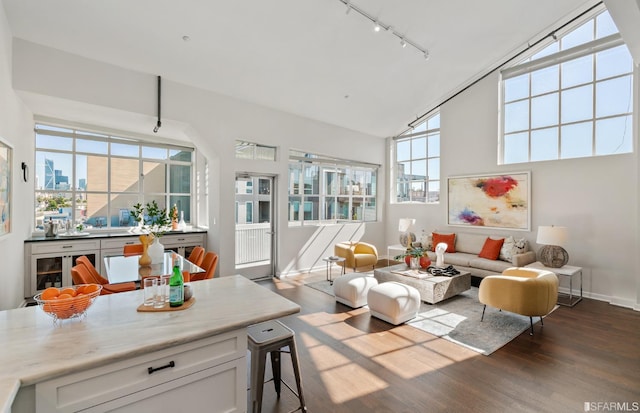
point(498, 201)
point(5, 188)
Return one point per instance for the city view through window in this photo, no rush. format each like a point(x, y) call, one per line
point(92, 180)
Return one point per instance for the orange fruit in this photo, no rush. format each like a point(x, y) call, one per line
point(80, 289)
point(70, 291)
point(50, 293)
point(80, 303)
point(91, 288)
point(64, 296)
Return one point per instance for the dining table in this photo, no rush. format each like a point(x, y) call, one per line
point(121, 268)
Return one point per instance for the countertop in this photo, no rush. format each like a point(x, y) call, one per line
point(106, 234)
point(36, 349)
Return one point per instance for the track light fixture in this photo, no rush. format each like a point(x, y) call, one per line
point(158, 124)
point(378, 25)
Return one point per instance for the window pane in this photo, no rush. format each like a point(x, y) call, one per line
point(433, 145)
point(294, 179)
point(369, 210)
point(419, 169)
point(343, 208)
point(551, 49)
point(402, 191)
point(101, 148)
point(311, 184)
point(344, 182)
point(243, 186)
point(577, 140)
point(516, 148)
point(613, 62)
point(605, 25)
point(434, 168)
point(312, 208)
point(180, 155)
point(54, 170)
point(434, 122)
point(53, 142)
point(121, 149)
point(544, 110)
point(183, 203)
point(97, 212)
point(516, 88)
point(577, 72)
point(266, 153)
point(614, 135)
point(294, 208)
point(92, 173)
point(155, 179)
point(403, 150)
point(121, 204)
point(613, 96)
point(419, 147)
point(372, 184)
point(422, 127)
point(330, 183)
point(180, 179)
point(56, 207)
point(516, 116)
point(358, 183)
point(434, 191)
point(577, 104)
point(154, 153)
point(581, 35)
point(544, 144)
point(418, 191)
point(329, 208)
point(544, 80)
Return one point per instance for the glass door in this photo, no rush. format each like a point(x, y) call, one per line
point(255, 225)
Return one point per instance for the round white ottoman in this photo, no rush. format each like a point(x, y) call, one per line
point(394, 302)
point(352, 289)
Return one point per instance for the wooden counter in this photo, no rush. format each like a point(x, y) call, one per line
point(36, 350)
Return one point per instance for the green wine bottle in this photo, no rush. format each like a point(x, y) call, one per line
point(176, 287)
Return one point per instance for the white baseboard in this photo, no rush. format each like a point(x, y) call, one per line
point(606, 298)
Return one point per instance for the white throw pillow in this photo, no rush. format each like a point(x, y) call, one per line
point(512, 246)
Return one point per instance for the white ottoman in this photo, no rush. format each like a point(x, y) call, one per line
point(352, 289)
point(394, 302)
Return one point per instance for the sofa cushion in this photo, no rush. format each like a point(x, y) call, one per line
point(449, 239)
point(459, 258)
point(496, 266)
point(491, 248)
point(511, 247)
point(471, 243)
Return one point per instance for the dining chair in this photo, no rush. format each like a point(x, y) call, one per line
point(209, 264)
point(99, 279)
point(196, 256)
point(132, 249)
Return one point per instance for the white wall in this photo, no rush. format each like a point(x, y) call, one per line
point(214, 123)
point(17, 130)
point(596, 198)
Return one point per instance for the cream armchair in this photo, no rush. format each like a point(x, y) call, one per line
point(356, 254)
point(527, 291)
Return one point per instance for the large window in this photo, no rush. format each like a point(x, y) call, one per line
point(330, 190)
point(95, 179)
point(572, 99)
point(416, 160)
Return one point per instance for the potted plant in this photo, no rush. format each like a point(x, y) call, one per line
point(155, 222)
point(415, 257)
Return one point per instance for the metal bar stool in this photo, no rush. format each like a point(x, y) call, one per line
point(271, 337)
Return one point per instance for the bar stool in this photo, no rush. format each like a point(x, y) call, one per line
point(271, 337)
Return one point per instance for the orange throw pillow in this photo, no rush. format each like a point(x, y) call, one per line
point(449, 239)
point(491, 248)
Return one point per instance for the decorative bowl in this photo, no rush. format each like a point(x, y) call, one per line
point(67, 302)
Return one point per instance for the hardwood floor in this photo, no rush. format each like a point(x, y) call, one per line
point(352, 362)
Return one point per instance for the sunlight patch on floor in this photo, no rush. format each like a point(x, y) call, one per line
point(322, 318)
point(341, 387)
point(412, 362)
point(341, 331)
point(325, 358)
point(373, 344)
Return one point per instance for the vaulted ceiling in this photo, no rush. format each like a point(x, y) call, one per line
point(307, 57)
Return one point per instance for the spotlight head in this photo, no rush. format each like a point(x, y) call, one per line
point(426, 55)
point(376, 28)
point(158, 125)
point(403, 43)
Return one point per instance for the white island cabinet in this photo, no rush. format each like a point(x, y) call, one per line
point(118, 359)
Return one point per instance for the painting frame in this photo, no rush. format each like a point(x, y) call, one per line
point(500, 200)
point(6, 183)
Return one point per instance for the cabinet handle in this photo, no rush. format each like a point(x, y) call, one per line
point(180, 239)
point(67, 246)
point(129, 243)
point(166, 366)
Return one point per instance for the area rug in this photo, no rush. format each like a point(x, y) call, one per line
point(457, 319)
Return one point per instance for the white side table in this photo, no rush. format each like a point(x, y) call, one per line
point(568, 271)
point(330, 261)
point(397, 248)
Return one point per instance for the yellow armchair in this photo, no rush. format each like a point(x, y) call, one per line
point(526, 291)
point(356, 254)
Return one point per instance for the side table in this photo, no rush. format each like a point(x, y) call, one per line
point(570, 299)
point(330, 261)
point(399, 249)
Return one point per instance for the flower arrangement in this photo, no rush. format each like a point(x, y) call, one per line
point(416, 253)
point(155, 221)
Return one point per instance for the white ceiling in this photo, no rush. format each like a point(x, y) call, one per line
point(308, 57)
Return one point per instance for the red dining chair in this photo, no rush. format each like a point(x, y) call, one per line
point(209, 264)
point(99, 279)
point(196, 256)
point(132, 249)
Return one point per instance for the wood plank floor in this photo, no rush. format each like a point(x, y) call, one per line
point(352, 362)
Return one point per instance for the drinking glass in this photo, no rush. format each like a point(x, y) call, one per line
point(150, 285)
point(161, 293)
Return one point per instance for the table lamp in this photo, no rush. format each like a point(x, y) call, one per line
point(406, 236)
point(553, 239)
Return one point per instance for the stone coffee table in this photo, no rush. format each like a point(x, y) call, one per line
point(433, 289)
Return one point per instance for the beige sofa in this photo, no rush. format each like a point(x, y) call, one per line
point(468, 246)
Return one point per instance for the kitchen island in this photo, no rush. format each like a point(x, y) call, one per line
point(117, 357)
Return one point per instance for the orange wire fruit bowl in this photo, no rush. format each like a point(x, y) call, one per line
point(67, 302)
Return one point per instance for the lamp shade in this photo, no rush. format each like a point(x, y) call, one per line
point(551, 235)
point(405, 224)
